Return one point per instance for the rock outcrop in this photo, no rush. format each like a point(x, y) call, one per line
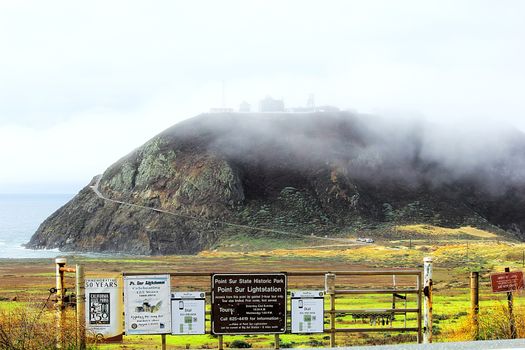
point(322, 173)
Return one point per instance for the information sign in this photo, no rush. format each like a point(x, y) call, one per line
point(506, 281)
point(249, 303)
point(147, 304)
point(308, 311)
point(188, 312)
point(104, 307)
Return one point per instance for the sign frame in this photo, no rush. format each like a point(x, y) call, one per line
point(164, 296)
point(311, 298)
point(284, 305)
point(197, 301)
point(108, 291)
point(507, 282)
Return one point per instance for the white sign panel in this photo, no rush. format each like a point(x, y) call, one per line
point(104, 307)
point(307, 311)
point(147, 304)
point(188, 312)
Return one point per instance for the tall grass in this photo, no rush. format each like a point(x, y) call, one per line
point(31, 327)
point(494, 323)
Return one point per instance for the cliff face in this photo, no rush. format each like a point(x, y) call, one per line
point(325, 173)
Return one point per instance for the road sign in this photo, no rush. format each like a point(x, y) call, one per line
point(188, 312)
point(506, 281)
point(308, 311)
point(249, 303)
point(147, 302)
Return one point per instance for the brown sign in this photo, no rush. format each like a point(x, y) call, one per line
point(249, 303)
point(506, 281)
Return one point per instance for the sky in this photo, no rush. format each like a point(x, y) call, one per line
point(84, 83)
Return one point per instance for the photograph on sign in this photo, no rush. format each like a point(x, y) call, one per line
point(104, 307)
point(249, 303)
point(147, 302)
point(308, 311)
point(507, 282)
point(188, 313)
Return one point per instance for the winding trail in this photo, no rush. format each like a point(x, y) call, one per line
point(99, 194)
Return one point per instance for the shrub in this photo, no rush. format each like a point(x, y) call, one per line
point(240, 344)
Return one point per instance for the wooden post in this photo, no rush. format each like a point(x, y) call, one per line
point(419, 284)
point(427, 291)
point(510, 301)
point(163, 337)
point(329, 282)
point(60, 307)
point(221, 344)
point(277, 342)
point(474, 302)
point(81, 307)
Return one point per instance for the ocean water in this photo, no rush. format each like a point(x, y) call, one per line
point(20, 216)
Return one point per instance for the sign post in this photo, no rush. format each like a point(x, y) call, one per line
point(508, 282)
point(147, 301)
point(308, 312)
point(249, 303)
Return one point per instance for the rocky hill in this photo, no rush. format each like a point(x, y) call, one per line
point(321, 173)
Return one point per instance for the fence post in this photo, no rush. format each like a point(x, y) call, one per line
point(474, 302)
point(510, 301)
point(81, 306)
point(427, 291)
point(221, 344)
point(60, 308)
point(329, 282)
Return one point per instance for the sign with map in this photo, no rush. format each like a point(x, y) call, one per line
point(188, 313)
point(308, 311)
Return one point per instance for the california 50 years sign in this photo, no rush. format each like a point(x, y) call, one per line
point(147, 300)
point(104, 306)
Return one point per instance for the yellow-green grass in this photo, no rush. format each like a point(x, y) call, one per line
point(431, 230)
point(452, 264)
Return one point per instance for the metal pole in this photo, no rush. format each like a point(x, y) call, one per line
point(474, 302)
point(419, 282)
point(510, 301)
point(277, 345)
point(427, 290)
point(81, 307)
point(329, 282)
point(60, 315)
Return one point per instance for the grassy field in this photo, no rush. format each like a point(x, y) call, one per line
point(26, 282)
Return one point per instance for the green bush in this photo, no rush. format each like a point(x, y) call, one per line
point(240, 344)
